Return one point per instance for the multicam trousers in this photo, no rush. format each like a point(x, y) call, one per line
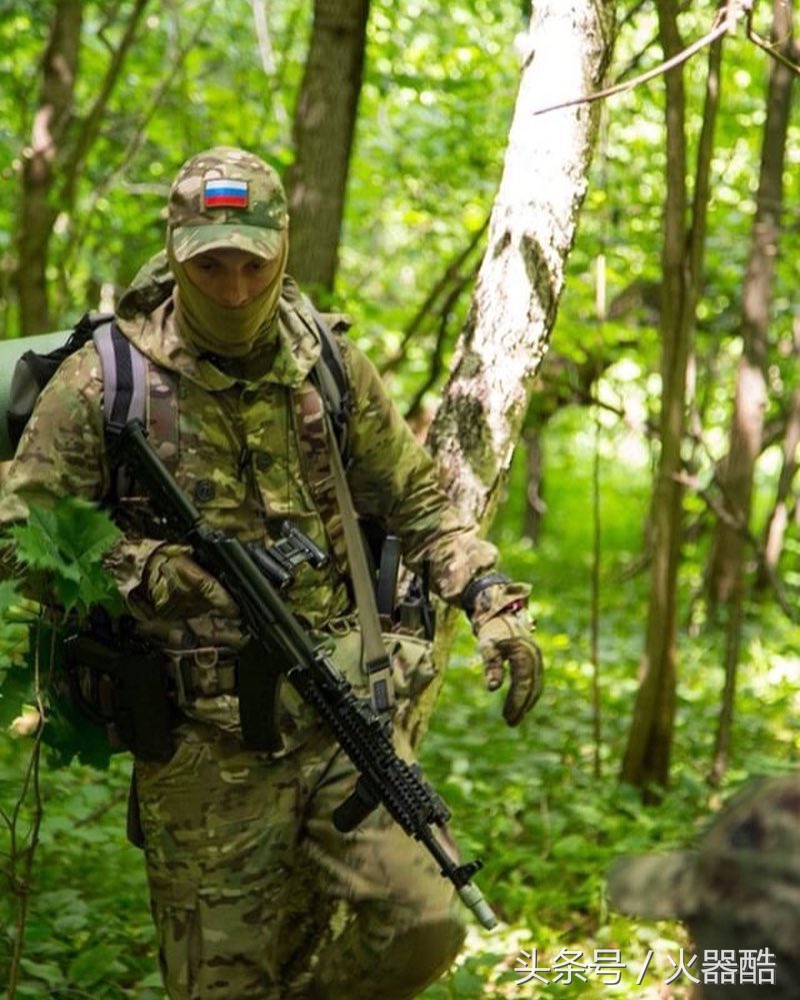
point(256, 896)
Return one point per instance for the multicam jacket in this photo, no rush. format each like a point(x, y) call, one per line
point(239, 455)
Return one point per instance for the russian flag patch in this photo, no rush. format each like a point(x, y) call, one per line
point(225, 194)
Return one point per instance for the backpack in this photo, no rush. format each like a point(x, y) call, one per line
point(124, 378)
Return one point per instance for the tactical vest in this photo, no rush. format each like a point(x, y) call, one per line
point(137, 388)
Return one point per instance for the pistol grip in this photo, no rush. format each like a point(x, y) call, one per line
point(259, 685)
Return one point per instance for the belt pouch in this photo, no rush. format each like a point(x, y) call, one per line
point(145, 717)
point(123, 688)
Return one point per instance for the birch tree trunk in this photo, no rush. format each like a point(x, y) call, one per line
point(567, 50)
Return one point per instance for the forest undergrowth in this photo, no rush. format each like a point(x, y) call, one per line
point(541, 804)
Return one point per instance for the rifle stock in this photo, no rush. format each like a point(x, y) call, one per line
point(364, 735)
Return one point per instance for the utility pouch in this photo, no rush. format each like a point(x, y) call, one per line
point(412, 612)
point(122, 688)
point(415, 613)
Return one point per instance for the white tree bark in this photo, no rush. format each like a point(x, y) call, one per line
point(566, 51)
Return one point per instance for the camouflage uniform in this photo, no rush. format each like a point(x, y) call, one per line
point(739, 890)
point(254, 894)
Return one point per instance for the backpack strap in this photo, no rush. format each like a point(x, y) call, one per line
point(124, 370)
point(312, 436)
point(324, 397)
point(136, 389)
point(330, 378)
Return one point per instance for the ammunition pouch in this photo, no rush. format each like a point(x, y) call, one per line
point(123, 689)
point(414, 672)
point(212, 671)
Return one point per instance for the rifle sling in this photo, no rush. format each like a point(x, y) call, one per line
point(375, 659)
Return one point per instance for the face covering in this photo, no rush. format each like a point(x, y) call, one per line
point(229, 331)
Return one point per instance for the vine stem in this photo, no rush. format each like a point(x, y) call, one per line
point(22, 855)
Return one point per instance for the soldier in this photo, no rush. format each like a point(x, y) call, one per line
point(254, 894)
point(738, 892)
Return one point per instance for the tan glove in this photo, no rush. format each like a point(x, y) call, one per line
point(178, 587)
point(503, 629)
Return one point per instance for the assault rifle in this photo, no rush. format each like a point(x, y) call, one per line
point(364, 734)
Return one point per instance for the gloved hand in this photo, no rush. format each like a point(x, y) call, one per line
point(503, 629)
point(178, 587)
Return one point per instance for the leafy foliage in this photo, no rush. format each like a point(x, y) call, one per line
point(61, 547)
point(9, 632)
point(65, 543)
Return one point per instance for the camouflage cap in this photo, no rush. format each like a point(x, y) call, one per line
point(226, 198)
point(746, 869)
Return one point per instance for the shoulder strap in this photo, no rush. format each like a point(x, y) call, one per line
point(136, 389)
point(124, 370)
point(330, 378)
point(323, 411)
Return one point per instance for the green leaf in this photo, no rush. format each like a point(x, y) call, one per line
point(51, 974)
point(67, 542)
point(9, 595)
point(69, 735)
point(151, 981)
point(91, 966)
point(16, 690)
point(37, 540)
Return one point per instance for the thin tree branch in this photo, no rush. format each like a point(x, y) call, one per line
point(93, 121)
point(90, 819)
point(259, 8)
point(775, 49)
point(451, 273)
point(438, 353)
point(267, 55)
point(134, 143)
point(723, 23)
point(22, 856)
point(629, 15)
point(702, 184)
point(721, 511)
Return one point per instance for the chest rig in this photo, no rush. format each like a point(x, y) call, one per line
point(136, 388)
